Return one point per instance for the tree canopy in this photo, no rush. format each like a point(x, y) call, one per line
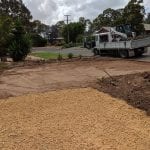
point(15, 9)
point(6, 25)
point(74, 30)
point(109, 17)
point(133, 14)
point(148, 19)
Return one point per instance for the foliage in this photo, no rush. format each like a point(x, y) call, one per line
point(83, 21)
point(70, 55)
point(38, 27)
point(59, 57)
point(59, 43)
point(109, 17)
point(79, 38)
point(132, 14)
point(6, 25)
point(54, 33)
point(16, 10)
point(75, 29)
point(148, 19)
point(80, 56)
point(37, 40)
point(20, 43)
point(60, 25)
point(68, 45)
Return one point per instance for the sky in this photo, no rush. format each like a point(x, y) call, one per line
point(52, 11)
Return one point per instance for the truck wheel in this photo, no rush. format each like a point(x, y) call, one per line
point(139, 52)
point(124, 53)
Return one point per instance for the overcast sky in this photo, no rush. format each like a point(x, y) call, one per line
point(51, 11)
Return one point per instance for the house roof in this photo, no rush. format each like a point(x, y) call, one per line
point(147, 27)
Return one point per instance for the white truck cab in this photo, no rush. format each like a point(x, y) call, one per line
point(117, 43)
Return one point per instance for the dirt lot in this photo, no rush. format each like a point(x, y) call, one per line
point(74, 119)
point(134, 89)
point(44, 77)
point(79, 117)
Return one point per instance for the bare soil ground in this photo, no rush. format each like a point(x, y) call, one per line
point(133, 88)
point(39, 77)
point(74, 119)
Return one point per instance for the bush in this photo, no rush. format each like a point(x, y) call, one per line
point(79, 39)
point(59, 43)
point(18, 50)
point(70, 55)
point(20, 43)
point(59, 57)
point(6, 25)
point(38, 41)
point(68, 45)
point(80, 56)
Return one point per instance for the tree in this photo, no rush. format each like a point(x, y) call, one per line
point(134, 14)
point(82, 20)
point(148, 19)
point(75, 29)
point(16, 10)
point(37, 40)
point(6, 25)
point(109, 17)
point(20, 43)
point(54, 32)
point(39, 28)
point(60, 25)
point(87, 25)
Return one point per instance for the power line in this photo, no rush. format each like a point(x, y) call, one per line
point(67, 20)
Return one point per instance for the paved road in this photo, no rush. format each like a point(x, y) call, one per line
point(76, 51)
point(145, 57)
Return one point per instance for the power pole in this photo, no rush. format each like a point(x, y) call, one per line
point(67, 20)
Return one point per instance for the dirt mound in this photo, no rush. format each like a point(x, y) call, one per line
point(134, 88)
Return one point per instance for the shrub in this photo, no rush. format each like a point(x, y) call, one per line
point(19, 49)
point(70, 55)
point(59, 43)
point(38, 41)
point(79, 39)
point(68, 45)
point(20, 43)
point(80, 56)
point(6, 25)
point(59, 57)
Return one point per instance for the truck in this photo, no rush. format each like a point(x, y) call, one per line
point(120, 41)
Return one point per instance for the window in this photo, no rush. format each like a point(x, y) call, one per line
point(103, 38)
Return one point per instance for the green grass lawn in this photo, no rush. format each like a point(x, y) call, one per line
point(47, 55)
